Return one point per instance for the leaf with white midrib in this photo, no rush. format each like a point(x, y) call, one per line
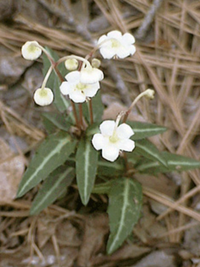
point(52, 153)
point(147, 149)
point(86, 168)
point(125, 201)
point(143, 130)
point(53, 187)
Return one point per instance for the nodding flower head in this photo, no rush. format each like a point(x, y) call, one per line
point(31, 50)
point(43, 96)
point(113, 139)
point(114, 44)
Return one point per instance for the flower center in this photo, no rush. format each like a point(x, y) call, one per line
point(115, 43)
point(113, 138)
point(81, 86)
point(43, 93)
point(32, 48)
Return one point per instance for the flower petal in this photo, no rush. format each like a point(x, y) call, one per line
point(77, 97)
point(115, 34)
point(126, 145)
point(65, 88)
point(102, 39)
point(107, 52)
point(98, 141)
point(110, 153)
point(128, 38)
point(107, 127)
point(132, 49)
point(124, 131)
point(123, 52)
point(73, 76)
point(91, 89)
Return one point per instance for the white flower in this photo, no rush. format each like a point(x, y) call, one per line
point(90, 75)
point(114, 44)
point(31, 51)
point(71, 64)
point(76, 90)
point(43, 96)
point(112, 139)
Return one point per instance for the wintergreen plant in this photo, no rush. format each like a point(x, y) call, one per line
point(76, 133)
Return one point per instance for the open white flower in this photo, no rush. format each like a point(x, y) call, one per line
point(114, 44)
point(76, 90)
point(112, 139)
point(31, 50)
point(91, 75)
point(43, 96)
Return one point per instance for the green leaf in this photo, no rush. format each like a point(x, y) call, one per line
point(146, 149)
point(125, 203)
point(174, 163)
point(102, 188)
point(53, 120)
point(61, 103)
point(86, 168)
point(106, 168)
point(52, 153)
point(143, 130)
point(54, 186)
point(97, 107)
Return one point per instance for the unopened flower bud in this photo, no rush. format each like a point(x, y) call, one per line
point(31, 50)
point(96, 63)
point(71, 64)
point(150, 93)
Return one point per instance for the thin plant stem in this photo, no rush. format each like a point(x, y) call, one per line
point(47, 76)
point(75, 113)
point(91, 111)
point(80, 115)
point(148, 93)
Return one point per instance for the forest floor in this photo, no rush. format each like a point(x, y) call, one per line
point(168, 61)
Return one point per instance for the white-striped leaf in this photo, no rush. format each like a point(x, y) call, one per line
point(146, 149)
point(125, 203)
point(52, 153)
point(54, 121)
point(54, 186)
point(102, 188)
point(174, 163)
point(86, 168)
point(143, 130)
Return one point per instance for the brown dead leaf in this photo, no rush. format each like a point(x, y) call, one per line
point(11, 171)
point(96, 228)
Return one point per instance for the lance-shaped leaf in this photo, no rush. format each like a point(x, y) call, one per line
point(125, 202)
point(54, 186)
point(52, 153)
point(143, 130)
point(53, 82)
point(54, 121)
point(174, 163)
point(146, 149)
point(106, 168)
point(102, 188)
point(86, 168)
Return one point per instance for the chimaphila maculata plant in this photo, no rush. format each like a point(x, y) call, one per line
point(80, 145)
